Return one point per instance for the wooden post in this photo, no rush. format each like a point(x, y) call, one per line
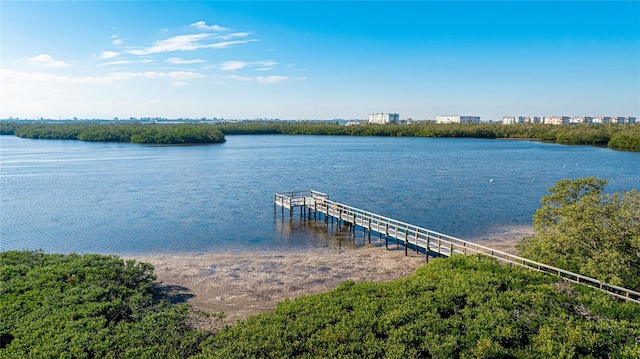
point(386, 235)
point(427, 248)
point(406, 244)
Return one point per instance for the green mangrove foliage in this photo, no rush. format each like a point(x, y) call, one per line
point(95, 306)
point(582, 229)
point(626, 137)
point(461, 307)
point(615, 136)
point(91, 306)
point(117, 132)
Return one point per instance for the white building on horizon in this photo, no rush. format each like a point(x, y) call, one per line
point(457, 119)
point(557, 120)
point(384, 118)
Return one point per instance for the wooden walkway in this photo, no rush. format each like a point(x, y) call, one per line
point(423, 240)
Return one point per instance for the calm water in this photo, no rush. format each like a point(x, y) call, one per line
point(72, 196)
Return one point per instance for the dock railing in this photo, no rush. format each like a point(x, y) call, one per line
point(431, 242)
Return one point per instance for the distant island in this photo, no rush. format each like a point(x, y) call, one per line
point(615, 136)
point(165, 134)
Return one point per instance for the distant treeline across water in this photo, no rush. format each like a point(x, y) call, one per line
point(623, 137)
point(116, 132)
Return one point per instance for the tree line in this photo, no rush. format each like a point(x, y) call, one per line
point(622, 137)
point(117, 132)
point(86, 306)
point(626, 137)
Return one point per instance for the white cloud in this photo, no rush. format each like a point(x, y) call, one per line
point(12, 77)
point(272, 79)
point(185, 75)
point(124, 62)
point(237, 65)
point(233, 65)
point(225, 44)
point(261, 79)
point(179, 61)
point(185, 43)
point(266, 65)
point(175, 43)
point(47, 60)
point(105, 55)
point(117, 42)
point(233, 36)
point(201, 25)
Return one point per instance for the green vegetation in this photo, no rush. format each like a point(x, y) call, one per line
point(116, 132)
point(581, 229)
point(461, 307)
point(615, 136)
point(91, 306)
point(623, 137)
point(73, 306)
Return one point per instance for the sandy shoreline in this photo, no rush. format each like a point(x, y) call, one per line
point(241, 284)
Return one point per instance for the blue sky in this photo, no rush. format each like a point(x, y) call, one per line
point(318, 60)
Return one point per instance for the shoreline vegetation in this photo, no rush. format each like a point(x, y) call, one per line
point(84, 306)
point(614, 136)
point(170, 134)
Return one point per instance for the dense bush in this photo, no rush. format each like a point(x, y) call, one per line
point(117, 132)
point(72, 306)
point(584, 230)
point(615, 136)
point(91, 306)
point(627, 139)
point(461, 307)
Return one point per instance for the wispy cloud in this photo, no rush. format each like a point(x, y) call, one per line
point(179, 61)
point(266, 65)
point(176, 43)
point(47, 60)
point(125, 62)
point(225, 44)
point(117, 40)
point(201, 25)
point(185, 43)
point(233, 36)
point(237, 65)
point(262, 79)
point(38, 77)
point(105, 55)
point(233, 65)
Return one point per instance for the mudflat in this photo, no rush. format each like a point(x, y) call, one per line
point(241, 284)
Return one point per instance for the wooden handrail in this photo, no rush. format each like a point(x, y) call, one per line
point(426, 239)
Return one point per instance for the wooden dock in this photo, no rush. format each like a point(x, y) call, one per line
point(422, 240)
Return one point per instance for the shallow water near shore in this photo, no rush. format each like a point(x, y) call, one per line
point(73, 196)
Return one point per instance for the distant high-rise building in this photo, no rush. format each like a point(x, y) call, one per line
point(384, 118)
point(557, 120)
point(582, 120)
point(457, 119)
point(510, 120)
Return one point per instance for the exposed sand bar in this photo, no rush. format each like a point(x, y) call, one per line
point(241, 284)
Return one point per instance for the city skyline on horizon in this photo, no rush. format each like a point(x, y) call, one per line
point(318, 60)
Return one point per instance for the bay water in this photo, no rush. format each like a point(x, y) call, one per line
point(87, 197)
